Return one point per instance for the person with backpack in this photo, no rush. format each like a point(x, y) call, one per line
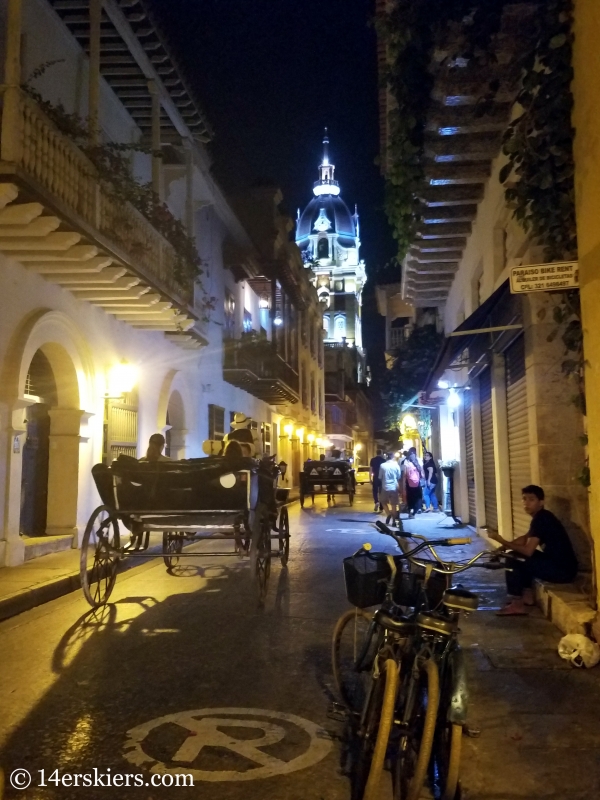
point(413, 475)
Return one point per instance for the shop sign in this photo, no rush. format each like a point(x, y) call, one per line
point(559, 275)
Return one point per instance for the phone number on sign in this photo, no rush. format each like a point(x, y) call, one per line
point(22, 779)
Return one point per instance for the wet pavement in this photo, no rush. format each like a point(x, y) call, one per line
point(187, 675)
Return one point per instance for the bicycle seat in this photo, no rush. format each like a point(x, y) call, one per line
point(403, 627)
point(433, 622)
point(459, 599)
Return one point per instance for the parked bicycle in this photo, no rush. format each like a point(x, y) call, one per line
point(400, 671)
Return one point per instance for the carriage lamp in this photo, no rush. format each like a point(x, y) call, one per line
point(122, 377)
point(282, 468)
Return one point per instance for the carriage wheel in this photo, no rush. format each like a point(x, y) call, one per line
point(101, 538)
point(284, 536)
point(260, 555)
point(172, 546)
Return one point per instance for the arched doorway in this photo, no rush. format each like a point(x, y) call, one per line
point(50, 456)
point(40, 387)
point(175, 429)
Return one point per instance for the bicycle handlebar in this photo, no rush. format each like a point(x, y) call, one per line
point(455, 540)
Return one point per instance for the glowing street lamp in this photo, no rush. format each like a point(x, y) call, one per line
point(122, 378)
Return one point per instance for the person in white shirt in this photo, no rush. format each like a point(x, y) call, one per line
point(390, 477)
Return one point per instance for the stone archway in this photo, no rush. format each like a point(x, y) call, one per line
point(174, 414)
point(51, 339)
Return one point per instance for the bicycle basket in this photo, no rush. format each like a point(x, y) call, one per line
point(366, 577)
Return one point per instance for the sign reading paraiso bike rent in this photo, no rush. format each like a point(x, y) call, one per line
point(544, 277)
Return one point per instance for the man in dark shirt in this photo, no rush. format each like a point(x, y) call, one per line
point(375, 464)
point(546, 551)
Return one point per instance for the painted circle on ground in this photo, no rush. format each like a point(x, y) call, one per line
point(208, 728)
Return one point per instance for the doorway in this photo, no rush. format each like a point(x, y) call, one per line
point(41, 387)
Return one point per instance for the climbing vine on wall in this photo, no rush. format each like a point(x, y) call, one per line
point(539, 175)
point(539, 142)
point(113, 159)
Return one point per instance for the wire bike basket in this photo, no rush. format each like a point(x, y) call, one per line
point(367, 574)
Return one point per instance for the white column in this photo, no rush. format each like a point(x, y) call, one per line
point(477, 454)
point(63, 471)
point(501, 463)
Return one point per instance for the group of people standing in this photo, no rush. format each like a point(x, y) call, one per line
point(401, 478)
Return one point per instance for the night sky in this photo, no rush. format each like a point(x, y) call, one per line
point(270, 74)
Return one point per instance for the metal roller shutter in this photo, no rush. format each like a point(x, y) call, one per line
point(518, 432)
point(469, 457)
point(487, 443)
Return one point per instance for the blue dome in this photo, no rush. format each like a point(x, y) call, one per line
point(336, 211)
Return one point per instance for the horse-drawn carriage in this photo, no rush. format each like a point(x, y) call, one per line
point(197, 500)
point(331, 476)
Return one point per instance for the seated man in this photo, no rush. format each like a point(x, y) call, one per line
point(155, 449)
point(547, 551)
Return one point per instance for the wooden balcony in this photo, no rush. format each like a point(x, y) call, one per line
point(58, 220)
point(256, 368)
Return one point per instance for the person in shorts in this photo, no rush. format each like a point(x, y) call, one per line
point(390, 477)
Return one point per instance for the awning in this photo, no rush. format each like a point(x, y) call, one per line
point(491, 327)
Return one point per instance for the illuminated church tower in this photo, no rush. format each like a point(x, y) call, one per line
point(328, 236)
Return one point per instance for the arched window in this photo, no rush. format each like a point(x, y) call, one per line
point(340, 327)
point(323, 248)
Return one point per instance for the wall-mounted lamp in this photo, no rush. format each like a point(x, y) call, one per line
point(122, 378)
point(288, 430)
point(319, 442)
point(453, 399)
point(263, 301)
point(311, 437)
point(357, 447)
point(277, 321)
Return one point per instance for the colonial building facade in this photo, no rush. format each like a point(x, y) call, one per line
point(121, 308)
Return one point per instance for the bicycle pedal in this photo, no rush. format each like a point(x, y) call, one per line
point(472, 733)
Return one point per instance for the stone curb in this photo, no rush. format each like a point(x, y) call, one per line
point(38, 595)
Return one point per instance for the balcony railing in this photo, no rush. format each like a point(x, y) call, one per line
point(259, 370)
point(57, 172)
point(338, 429)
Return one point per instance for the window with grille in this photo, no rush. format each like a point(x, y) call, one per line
point(266, 438)
point(216, 422)
point(121, 428)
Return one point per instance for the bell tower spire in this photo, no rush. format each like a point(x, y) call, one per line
point(326, 183)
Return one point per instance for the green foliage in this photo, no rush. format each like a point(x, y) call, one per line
point(113, 165)
point(539, 142)
point(414, 360)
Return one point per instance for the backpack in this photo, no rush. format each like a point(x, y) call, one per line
point(413, 477)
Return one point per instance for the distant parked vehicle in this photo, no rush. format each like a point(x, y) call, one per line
point(363, 475)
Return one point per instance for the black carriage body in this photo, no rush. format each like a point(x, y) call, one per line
point(196, 486)
point(188, 501)
point(331, 472)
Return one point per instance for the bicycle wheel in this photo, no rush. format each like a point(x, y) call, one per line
point(365, 737)
point(419, 718)
point(101, 537)
point(284, 536)
point(260, 556)
point(353, 648)
point(447, 759)
point(386, 720)
point(172, 546)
